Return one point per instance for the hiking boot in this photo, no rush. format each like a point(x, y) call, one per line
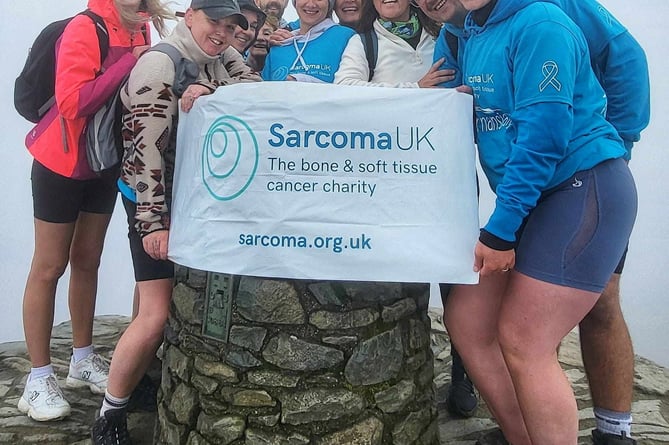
point(462, 400)
point(599, 438)
point(111, 429)
point(91, 372)
point(43, 400)
point(144, 397)
point(494, 437)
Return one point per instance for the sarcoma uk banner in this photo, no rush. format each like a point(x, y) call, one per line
point(327, 182)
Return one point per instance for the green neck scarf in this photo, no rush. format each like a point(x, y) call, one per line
point(405, 30)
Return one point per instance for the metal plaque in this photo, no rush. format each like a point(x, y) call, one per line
point(218, 306)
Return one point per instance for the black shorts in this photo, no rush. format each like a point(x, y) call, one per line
point(145, 267)
point(59, 199)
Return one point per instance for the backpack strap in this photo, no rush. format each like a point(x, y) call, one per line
point(101, 30)
point(103, 42)
point(370, 41)
point(452, 42)
point(185, 70)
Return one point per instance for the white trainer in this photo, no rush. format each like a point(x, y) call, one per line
point(43, 400)
point(91, 372)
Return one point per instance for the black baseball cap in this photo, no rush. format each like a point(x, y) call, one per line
point(250, 5)
point(220, 9)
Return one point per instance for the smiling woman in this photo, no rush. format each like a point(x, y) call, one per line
point(246, 37)
point(405, 44)
point(150, 117)
point(313, 52)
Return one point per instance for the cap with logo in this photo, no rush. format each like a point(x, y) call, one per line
point(220, 9)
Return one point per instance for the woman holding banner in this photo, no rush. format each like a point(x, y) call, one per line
point(405, 41)
point(149, 126)
point(566, 204)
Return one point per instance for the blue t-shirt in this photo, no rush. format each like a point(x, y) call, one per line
point(318, 58)
point(539, 107)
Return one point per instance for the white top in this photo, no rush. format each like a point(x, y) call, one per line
point(398, 64)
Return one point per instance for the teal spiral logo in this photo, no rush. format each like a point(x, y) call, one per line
point(229, 158)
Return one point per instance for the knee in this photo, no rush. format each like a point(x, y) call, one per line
point(512, 342)
point(606, 312)
point(153, 325)
point(48, 270)
point(85, 260)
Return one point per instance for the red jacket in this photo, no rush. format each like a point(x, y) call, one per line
point(58, 140)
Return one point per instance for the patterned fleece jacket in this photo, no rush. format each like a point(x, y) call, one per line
point(150, 118)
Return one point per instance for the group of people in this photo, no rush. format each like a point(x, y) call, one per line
point(555, 122)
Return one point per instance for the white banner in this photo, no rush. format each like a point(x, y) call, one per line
point(328, 182)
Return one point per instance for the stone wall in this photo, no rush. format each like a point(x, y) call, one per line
point(296, 362)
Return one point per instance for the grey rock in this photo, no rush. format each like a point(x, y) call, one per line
point(325, 294)
point(367, 432)
point(269, 301)
point(399, 310)
point(223, 430)
point(343, 320)
point(262, 437)
point(185, 301)
point(319, 405)
point(217, 370)
point(249, 337)
point(396, 397)
point(289, 352)
point(264, 377)
point(242, 359)
point(377, 359)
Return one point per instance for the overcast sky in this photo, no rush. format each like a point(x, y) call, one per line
point(645, 281)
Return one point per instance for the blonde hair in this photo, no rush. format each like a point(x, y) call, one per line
point(154, 11)
point(273, 22)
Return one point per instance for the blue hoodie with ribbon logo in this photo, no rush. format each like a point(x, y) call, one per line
point(539, 107)
point(616, 58)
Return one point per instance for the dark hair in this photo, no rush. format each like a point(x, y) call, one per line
point(369, 15)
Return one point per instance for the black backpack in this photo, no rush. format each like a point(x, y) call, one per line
point(35, 86)
point(370, 41)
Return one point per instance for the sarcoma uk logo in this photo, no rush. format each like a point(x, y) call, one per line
point(229, 158)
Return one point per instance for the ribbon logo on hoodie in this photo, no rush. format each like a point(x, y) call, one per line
point(229, 158)
point(550, 71)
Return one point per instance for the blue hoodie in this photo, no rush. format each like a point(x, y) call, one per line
point(616, 57)
point(620, 65)
point(313, 57)
point(539, 107)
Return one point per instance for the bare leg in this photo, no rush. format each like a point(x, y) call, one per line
point(607, 352)
point(135, 301)
point(534, 317)
point(470, 315)
point(85, 253)
point(52, 244)
point(140, 341)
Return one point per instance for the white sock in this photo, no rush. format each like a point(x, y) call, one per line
point(42, 371)
point(110, 402)
point(613, 422)
point(78, 354)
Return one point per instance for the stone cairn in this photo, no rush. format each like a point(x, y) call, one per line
point(270, 361)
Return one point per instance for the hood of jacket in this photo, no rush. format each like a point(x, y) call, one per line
point(106, 9)
point(502, 10)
